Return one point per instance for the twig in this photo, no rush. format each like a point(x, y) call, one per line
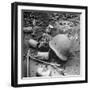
point(28, 63)
point(43, 61)
point(55, 66)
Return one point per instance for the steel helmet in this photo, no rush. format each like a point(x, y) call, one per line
point(61, 44)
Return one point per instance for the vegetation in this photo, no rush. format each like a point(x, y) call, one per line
point(36, 23)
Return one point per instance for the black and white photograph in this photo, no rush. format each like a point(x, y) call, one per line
point(51, 44)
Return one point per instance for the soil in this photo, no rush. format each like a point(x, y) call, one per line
point(35, 24)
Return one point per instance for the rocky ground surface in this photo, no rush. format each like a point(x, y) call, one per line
point(53, 23)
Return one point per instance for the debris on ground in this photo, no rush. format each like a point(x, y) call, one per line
point(39, 29)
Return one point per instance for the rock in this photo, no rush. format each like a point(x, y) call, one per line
point(27, 29)
point(42, 70)
point(33, 43)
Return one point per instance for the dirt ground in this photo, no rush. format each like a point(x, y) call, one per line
point(72, 67)
point(62, 23)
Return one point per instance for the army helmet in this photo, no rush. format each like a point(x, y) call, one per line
point(60, 44)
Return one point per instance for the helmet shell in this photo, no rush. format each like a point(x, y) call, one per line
point(61, 44)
